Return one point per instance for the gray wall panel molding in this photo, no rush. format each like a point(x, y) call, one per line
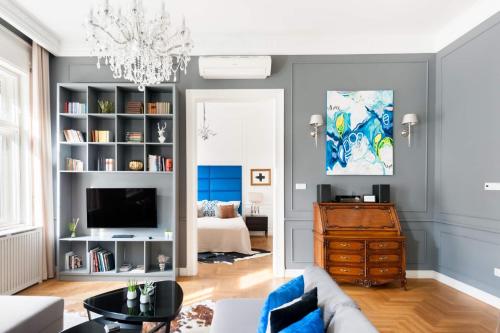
point(371, 66)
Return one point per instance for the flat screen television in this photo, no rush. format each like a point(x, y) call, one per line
point(121, 208)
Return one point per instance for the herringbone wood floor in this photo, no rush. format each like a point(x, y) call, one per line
point(427, 306)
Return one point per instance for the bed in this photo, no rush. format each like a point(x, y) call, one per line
point(223, 235)
point(221, 183)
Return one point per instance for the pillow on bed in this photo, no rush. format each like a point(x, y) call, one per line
point(199, 207)
point(225, 211)
point(236, 205)
point(209, 207)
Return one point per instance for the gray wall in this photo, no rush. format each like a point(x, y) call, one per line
point(305, 80)
point(467, 228)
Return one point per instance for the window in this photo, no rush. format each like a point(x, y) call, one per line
point(10, 147)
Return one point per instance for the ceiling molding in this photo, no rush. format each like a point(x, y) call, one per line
point(466, 22)
point(29, 26)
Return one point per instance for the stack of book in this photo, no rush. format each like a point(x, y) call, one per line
point(72, 261)
point(72, 135)
point(101, 260)
point(105, 164)
point(159, 108)
point(159, 163)
point(99, 136)
point(135, 107)
point(125, 268)
point(133, 137)
point(75, 108)
point(73, 164)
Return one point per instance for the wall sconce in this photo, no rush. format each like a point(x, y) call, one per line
point(316, 122)
point(409, 120)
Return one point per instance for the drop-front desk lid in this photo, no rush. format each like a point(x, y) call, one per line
point(348, 217)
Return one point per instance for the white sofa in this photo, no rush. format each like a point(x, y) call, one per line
point(340, 312)
point(34, 314)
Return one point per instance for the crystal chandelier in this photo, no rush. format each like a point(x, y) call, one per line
point(205, 132)
point(143, 50)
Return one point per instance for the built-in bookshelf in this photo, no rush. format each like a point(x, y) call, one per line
point(94, 148)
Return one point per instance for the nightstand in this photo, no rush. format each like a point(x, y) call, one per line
point(256, 223)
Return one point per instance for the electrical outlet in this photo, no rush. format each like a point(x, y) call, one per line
point(492, 186)
point(300, 186)
point(496, 271)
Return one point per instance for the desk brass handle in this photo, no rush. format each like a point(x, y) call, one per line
point(383, 270)
point(381, 245)
point(382, 258)
point(345, 270)
point(344, 244)
point(344, 257)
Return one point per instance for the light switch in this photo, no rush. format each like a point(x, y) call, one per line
point(492, 186)
point(497, 272)
point(300, 186)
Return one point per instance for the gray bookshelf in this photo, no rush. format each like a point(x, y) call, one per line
point(143, 249)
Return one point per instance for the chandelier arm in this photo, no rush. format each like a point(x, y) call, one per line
point(113, 38)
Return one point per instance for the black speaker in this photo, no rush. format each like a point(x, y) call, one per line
point(324, 193)
point(382, 192)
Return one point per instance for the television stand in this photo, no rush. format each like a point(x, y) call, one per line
point(122, 236)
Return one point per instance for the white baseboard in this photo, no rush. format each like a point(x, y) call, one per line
point(455, 284)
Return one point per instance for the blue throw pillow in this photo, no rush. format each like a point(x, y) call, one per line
point(312, 323)
point(284, 294)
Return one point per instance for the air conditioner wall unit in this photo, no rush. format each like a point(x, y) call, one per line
point(235, 67)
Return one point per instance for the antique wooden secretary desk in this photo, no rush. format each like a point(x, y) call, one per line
point(359, 243)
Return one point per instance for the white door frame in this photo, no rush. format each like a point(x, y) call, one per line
point(195, 96)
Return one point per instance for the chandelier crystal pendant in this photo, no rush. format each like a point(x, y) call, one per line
point(205, 132)
point(146, 51)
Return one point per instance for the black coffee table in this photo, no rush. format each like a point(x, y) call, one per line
point(165, 305)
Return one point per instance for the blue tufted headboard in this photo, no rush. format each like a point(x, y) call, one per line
point(220, 182)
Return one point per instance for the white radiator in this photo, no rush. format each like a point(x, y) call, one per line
point(20, 261)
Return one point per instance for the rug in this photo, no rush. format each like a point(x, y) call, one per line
point(195, 318)
point(229, 257)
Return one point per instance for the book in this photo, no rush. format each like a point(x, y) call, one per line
point(159, 108)
point(67, 256)
point(133, 137)
point(159, 163)
point(101, 260)
point(73, 136)
point(73, 164)
point(100, 136)
point(75, 108)
point(135, 107)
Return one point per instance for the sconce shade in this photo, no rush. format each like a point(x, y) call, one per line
point(316, 119)
point(255, 197)
point(410, 118)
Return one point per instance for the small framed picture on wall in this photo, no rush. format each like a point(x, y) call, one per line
point(260, 177)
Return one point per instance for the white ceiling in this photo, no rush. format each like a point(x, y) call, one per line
point(273, 26)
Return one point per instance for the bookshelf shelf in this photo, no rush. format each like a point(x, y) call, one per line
point(140, 250)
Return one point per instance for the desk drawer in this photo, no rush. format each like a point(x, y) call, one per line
point(382, 258)
point(346, 257)
point(381, 271)
point(357, 271)
point(346, 245)
point(384, 245)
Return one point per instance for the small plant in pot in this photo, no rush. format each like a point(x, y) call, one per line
point(146, 291)
point(72, 226)
point(162, 261)
point(131, 289)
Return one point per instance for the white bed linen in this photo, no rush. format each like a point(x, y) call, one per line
point(223, 235)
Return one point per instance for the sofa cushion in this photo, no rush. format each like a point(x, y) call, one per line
point(31, 314)
point(293, 311)
point(348, 319)
point(312, 323)
point(284, 294)
point(330, 296)
point(236, 315)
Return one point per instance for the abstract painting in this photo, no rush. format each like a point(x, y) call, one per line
point(359, 133)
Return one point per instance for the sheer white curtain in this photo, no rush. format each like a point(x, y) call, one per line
point(41, 155)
